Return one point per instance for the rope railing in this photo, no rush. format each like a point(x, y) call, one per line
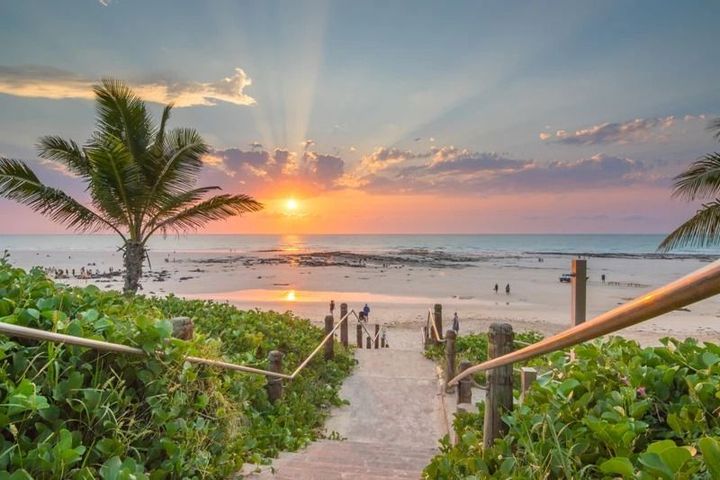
point(696, 286)
point(12, 330)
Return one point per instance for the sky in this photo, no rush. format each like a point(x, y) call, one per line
point(388, 117)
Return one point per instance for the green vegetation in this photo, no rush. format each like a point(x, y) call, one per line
point(75, 413)
point(140, 178)
point(701, 181)
point(474, 348)
point(616, 411)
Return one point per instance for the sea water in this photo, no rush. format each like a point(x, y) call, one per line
point(458, 244)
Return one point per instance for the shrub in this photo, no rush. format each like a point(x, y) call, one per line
point(616, 411)
point(76, 413)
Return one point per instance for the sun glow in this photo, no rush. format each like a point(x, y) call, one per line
point(290, 296)
point(291, 205)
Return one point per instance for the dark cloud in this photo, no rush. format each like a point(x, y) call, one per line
point(257, 167)
point(451, 170)
point(637, 130)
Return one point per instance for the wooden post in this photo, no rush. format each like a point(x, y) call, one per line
point(369, 342)
point(274, 385)
point(344, 326)
point(579, 291)
point(438, 322)
point(426, 339)
point(450, 356)
point(359, 335)
point(377, 336)
point(499, 400)
point(528, 376)
point(382, 341)
point(329, 346)
point(183, 328)
point(465, 385)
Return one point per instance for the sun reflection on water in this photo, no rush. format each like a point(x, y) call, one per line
point(289, 296)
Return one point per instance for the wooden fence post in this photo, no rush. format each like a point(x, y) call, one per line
point(274, 385)
point(359, 335)
point(426, 337)
point(438, 322)
point(344, 326)
point(579, 291)
point(183, 328)
point(329, 346)
point(369, 342)
point(377, 336)
point(450, 356)
point(499, 400)
point(465, 385)
point(528, 376)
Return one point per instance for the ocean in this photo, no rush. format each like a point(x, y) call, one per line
point(455, 244)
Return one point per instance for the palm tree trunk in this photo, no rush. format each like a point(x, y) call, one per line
point(134, 256)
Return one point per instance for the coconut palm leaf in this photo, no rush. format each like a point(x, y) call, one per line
point(218, 207)
point(167, 206)
point(18, 182)
point(702, 230)
point(66, 152)
point(700, 180)
point(715, 125)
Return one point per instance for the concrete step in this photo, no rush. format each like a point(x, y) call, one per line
point(347, 460)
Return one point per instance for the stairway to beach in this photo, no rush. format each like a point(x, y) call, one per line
point(390, 429)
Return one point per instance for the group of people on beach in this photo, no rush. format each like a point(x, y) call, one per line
point(83, 273)
point(507, 288)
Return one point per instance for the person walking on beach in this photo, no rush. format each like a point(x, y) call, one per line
point(496, 288)
point(507, 289)
point(332, 306)
point(456, 324)
point(603, 277)
point(366, 312)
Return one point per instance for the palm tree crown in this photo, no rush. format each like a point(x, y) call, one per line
point(140, 178)
point(701, 181)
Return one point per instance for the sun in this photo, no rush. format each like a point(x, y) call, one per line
point(291, 204)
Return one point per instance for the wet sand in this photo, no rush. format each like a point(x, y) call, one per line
point(401, 286)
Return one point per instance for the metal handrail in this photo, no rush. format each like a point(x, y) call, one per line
point(696, 286)
point(36, 334)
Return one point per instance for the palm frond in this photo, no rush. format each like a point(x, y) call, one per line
point(18, 182)
point(216, 208)
point(165, 206)
point(700, 180)
point(702, 230)
point(715, 125)
point(181, 163)
point(67, 152)
point(117, 181)
point(123, 115)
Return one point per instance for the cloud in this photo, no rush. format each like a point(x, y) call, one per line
point(452, 170)
point(637, 130)
point(54, 83)
point(262, 167)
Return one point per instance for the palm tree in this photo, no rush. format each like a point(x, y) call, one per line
point(701, 181)
point(140, 178)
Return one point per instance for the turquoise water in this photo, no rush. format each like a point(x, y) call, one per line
point(466, 244)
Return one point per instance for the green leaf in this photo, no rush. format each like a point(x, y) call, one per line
point(619, 465)
point(710, 449)
point(654, 463)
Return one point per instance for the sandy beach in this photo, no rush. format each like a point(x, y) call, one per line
point(401, 286)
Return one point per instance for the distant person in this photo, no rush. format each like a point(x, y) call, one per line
point(507, 289)
point(456, 324)
point(496, 288)
point(332, 306)
point(603, 277)
point(366, 312)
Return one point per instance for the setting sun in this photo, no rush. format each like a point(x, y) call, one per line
point(291, 204)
